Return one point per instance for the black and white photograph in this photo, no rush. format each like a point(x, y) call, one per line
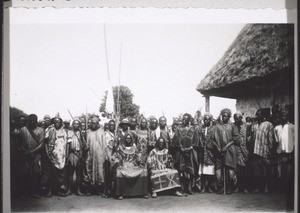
point(112, 113)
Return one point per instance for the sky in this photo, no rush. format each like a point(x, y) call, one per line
point(56, 66)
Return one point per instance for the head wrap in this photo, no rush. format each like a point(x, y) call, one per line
point(124, 121)
point(238, 113)
point(76, 119)
point(47, 117)
point(208, 114)
point(226, 110)
point(95, 119)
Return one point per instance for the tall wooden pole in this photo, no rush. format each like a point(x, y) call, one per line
point(207, 103)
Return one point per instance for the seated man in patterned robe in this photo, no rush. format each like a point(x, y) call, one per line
point(163, 175)
point(130, 173)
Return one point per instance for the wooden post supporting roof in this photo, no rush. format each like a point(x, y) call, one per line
point(206, 103)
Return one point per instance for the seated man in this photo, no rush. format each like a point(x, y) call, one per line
point(130, 173)
point(163, 175)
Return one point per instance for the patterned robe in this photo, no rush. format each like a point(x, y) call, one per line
point(163, 174)
point(58, 140)
point(131, 173)
point(208, 161)
point(142, 144)
point(242, 149)
point(263, 135)
point(97, 155)
point(77, 146)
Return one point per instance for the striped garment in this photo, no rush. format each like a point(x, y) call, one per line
point(263, 135)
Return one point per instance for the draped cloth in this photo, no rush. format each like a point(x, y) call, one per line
point(263, 138)
point(28, 143)
point(131, 175)
point(57, 151)
point(207, 166)
point(77, 146)
point(223, 135)
point(185, 138)
point(263, 134)
point(58, 140)
point(142, 144)
point(241, 147)
point(163, 174)
point(97, 155)
point(110, 141)
point(285, 137)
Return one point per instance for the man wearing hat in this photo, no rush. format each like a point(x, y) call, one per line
point(97, 154)
point(57, 150)
point(45, 160)
point(75, 157)
point(242, 152)
point(224, 138)
point(123, 130)
point(207, 161)
point(32, 138)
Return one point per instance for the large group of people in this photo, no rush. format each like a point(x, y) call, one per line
point(144, 156)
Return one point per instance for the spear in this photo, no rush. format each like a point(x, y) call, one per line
point(118, 97)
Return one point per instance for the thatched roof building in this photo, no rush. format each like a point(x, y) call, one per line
point(259, 62)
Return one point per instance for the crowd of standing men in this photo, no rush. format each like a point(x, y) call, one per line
point(136, 156)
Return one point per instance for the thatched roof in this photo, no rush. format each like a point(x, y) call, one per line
point(258, 51)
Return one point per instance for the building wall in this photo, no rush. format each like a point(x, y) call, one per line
point(250, 104)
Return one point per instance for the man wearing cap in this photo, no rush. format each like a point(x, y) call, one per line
point(97, 154)
point(110, 140)
point(163, 130)
point(242, 151)
point(224, 137)
point(75, 157)
point(122, 131)
point(207, 162)
point(263, 138)
point(57, 150)
point(32, 138)
point(67, 124)
point(45, 160)
point(186, 138)
point(153, 134)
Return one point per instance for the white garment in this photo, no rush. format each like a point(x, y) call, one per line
point(285, 136)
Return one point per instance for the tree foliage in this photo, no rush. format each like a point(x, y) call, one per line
point(127, 107)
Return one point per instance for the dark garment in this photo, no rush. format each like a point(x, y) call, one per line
point(207, 144)
point(223, 135)
point(260, 166)
point(185, 138)
point(242, 150)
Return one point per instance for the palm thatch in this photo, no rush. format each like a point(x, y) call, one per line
point(258, 51)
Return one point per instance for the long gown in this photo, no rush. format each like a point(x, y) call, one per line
point(96, 156)
point(131, 178)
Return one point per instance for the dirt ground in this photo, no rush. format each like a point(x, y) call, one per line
point(164, 203)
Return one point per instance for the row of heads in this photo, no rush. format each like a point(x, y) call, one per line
point(152, 121)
